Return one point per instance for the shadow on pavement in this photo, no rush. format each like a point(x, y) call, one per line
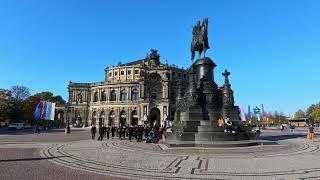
point(282, 137)
point(4, 131)
point(30, 159)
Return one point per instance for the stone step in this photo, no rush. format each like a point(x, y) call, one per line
point(210, 128)
point(210, 136)
point(221, 136)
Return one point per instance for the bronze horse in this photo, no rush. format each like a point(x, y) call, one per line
point(200, 38)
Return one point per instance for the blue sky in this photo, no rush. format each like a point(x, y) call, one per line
point(271, 47)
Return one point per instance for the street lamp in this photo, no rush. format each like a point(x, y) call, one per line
point(67, 129)
point(256, 111)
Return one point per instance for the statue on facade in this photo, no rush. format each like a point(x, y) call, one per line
point(80, 98)
point(200, 38)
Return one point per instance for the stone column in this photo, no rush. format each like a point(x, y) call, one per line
point(118, 94)
point(129, 93)
point(141, 90)
point(116, 114)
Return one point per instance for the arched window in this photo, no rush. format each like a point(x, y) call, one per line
point(103, 96)
point(113, 95)
point(123, 95)
point(95, 97)
point(134, 95)
point(134, 117)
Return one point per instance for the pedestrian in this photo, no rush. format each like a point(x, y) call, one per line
point(225, 125)
point(108, 131)
point(282, 127)
point(311, 132)
point(104, 131)
point(120, 132)
point(229, 126)
point(123, 131)
point(130, 132)
point(293, 127)
point(37, 129)
point(140, 133)
point(93, 132)
point(101, 133)
point(113, 129)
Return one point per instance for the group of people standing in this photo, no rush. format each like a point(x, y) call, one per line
point(148, 133)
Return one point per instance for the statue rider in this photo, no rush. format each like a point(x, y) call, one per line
point(197, 29)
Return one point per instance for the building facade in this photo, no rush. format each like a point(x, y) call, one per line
point(138, 92)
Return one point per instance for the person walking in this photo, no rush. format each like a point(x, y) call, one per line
point(100, 133)
point(293, 127)
point(104, 131)
point(140, 133)
point(108, 132)
point(37, 129)
point(130, 132)
point(311, 132)
point(120, 132)
point(93, 132)
point(123, 131)
point(113, 129)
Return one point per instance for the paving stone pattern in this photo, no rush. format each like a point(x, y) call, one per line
point(291, 159)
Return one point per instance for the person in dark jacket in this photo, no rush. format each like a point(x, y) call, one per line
point(104, 128)
point(93, 132)
point(100, 133)
point(113, 130)
point(108, 131)
point(130, 132)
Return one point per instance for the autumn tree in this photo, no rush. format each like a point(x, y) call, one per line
point(31, 102)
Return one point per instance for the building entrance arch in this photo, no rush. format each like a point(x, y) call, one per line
point(134, 118)
point(101, 119)
point(123, 118)
point(155, 115)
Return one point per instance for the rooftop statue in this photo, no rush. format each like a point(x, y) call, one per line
point(200, 38)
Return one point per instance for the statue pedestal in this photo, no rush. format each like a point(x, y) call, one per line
point(199, 110)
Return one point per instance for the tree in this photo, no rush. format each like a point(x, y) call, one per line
point(31, 102)
point(299, 114)
point(18, 95)
point(310, 109)
point(45, 96)
point(4, 109)
point(315, 112)
point(58, 100)
point(29, 107)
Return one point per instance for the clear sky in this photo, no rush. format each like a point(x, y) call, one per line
point(271, 47)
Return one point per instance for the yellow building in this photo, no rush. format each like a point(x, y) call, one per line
point(137, 92)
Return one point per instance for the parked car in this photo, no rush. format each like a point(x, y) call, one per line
point(15, 126)
point(27, 126)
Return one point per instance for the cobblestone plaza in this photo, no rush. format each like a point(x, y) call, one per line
point(294, 157)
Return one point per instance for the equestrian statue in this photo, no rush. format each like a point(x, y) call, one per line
point(200, 38)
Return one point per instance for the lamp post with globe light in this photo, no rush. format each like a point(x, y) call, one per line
point(256, 111)
point(68, 110)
